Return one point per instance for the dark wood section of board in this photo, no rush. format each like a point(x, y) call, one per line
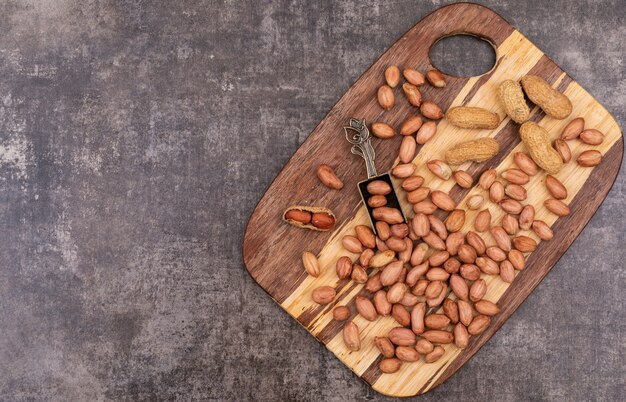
point(566, 230)
point(271, 247)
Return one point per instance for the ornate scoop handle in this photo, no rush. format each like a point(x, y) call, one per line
point(358, 135)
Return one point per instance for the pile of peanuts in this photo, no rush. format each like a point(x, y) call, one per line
point(428, 274)
point(412, 282)
point(434, 289)
point(389, 222)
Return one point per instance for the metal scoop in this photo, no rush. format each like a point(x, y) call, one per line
point(358, 135)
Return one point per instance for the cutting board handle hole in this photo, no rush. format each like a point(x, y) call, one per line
point(463, 55)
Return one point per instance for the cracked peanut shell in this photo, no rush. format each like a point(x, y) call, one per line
point(322, 218)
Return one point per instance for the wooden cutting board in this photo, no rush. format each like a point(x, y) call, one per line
point(272, 249)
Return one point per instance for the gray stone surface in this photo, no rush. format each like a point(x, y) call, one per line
point(136, 138)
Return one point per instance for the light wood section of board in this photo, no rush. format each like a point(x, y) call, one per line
point(517, 57)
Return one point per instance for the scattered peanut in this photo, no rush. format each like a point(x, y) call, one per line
point(542, 230)
point(341, 313)
point(475, 202)
point(435, 78)
point(487, 179)
point(412, 183)
point(496, 192)
point(385, 346)
point(431, 110)
point(413, 76)
point(525, 163)
point(327, 176)
point(323, 294)
point(511, 206)
point(442, 200)
point(426, 132)
point(515, 176)
point(390, 365)
point(407, 149)
point(482, 221)
point(555, 187)
point(524, 244)
point(591, 137)
point(463, 179)
point(556, 207)
point(311, 264)
point(515, 191)
point(351, 336)
point(479, 325)
point(439, 169)
point(392, 76)
point(343, 267)
point(435, 355)
point(412, 94)
point(352, 244)
point(383, 130)
point(563, 149)
point(526, 217)
point(573, 129)
point(411, 125)
point(365, 307)
point(589, 158)
point(386, 99)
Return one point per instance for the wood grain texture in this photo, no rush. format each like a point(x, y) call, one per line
point(272, 249)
